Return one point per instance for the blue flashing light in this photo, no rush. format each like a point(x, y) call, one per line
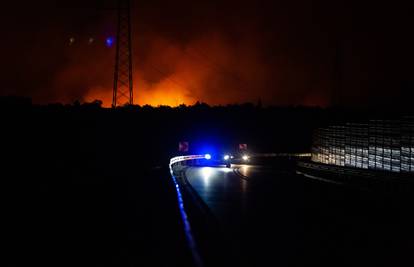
point(207, 156)
point(109, 42)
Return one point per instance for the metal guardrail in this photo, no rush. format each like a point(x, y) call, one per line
point(298, 155)
point(191, 242)
point(185, 158)
point(195, 157)
point(347, 172)
point(336, 169)
point(363, 178)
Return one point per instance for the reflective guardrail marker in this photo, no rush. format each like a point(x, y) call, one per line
point(187, 229)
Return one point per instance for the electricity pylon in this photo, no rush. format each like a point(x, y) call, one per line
point(123, 86)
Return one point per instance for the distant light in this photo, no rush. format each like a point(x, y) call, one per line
point(245, 157)
point(71, 40)
point(226, 157)
point(109, 41)
point(207, 156)
point(91, 40)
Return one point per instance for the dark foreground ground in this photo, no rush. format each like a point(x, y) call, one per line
point(112, 219)
point(106, 220)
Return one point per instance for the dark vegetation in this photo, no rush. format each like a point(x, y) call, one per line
point(84, 185)
point(88, 134)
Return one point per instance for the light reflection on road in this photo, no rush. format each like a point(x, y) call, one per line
point(210, 173)
point(221, 189)
point(256, 205)
point(206, 173)
point(243, 169)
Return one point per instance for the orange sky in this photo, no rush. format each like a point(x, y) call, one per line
point(219, 52)
point(207, 69)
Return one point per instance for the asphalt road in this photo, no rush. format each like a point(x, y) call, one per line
point(273, 217)
point(255, 207)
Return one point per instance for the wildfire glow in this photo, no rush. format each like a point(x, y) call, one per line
point(163, 94)
point(209, 69)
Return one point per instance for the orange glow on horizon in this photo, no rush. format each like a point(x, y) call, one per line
point(208, 69)
point(161, 96)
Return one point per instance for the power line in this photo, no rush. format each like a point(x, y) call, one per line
point(170, 79)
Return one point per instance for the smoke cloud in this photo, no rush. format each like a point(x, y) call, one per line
point(206, 69)
point(218, 52)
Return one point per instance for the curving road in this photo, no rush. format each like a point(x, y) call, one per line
point(274, 217)
point(255, 206)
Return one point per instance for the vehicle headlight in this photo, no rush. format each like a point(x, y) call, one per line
point(226, 157)
point(245, 157)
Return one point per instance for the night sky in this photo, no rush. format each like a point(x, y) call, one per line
point(218, 52)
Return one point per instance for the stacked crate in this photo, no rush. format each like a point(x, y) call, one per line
point(316, 146)
point(324, 145)
point(395, 139)
point(379, 145)
point(385, 145)
point(356, 145)
point(407, 144)
point(329, 136)
point(338, 145)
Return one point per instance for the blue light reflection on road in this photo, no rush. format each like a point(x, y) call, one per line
point(187, 228)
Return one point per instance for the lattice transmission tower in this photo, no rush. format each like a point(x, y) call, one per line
point(123, 85)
